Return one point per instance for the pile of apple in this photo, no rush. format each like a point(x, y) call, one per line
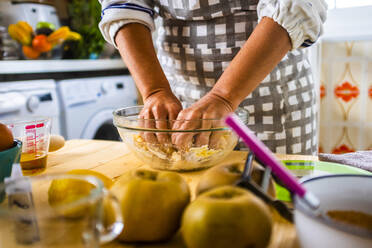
point(156, 204)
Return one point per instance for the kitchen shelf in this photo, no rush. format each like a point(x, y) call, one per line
point(45, 66)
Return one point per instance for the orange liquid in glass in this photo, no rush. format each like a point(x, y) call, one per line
point(33, 163)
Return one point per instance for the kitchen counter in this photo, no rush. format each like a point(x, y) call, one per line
point(113, 159)
point(25, 70)
point(62, 65)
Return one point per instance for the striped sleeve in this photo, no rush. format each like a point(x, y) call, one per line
point(117, 13)
point(303, 19)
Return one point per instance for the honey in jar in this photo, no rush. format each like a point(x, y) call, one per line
point(33, 163)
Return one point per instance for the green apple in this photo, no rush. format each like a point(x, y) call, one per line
point(152, 204)
point(227, 216)
point(48, 25)
point(229, 174)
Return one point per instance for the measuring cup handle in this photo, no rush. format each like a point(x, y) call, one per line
point(108, 234)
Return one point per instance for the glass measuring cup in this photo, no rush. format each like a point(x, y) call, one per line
point(30, 217)
point(34, 133)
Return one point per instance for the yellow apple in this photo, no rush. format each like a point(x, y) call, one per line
point(227, 216)
point(152, 204)
point(229, 174)
point(66, 191)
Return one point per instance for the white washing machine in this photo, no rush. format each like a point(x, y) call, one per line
point(30, 98)
point(88, 103)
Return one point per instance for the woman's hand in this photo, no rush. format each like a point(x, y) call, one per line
point(211, 107)
point(136, 47)
point(159, 107)
point(256, 59)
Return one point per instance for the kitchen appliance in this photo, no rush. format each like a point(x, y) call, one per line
point(26, 99)
point(9, 48)
point(31, 11)
point(87, 105)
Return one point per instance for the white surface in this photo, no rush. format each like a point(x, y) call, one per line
point(30, 12)
point(17, 101)
point(348, 24)
point(88, 103)
point(347, 3)
point(42, 66)
point(335, 193)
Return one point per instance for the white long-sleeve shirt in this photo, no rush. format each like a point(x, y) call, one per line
point(197, 39)
point(303, 19)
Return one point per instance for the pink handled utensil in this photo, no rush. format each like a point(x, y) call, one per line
point(267, 157)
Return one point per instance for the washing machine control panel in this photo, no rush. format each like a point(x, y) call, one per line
point(29, 97)
point(107, 87)
point(11, 102)
point(33, 103)
point(21, 99)
point(78, 92)
point(88, 91)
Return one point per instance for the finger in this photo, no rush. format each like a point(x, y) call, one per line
point(141, 123)
point(187, 121)
point(149, 124)
point(203, 138)
point(183, 141)
point(187, 118)
point(177, 124)
point(172, 116)
point(218, 138)
point(160, 115)
point(179, 119)
point(141, 118)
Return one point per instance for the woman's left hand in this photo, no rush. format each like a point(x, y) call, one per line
point(212, 108)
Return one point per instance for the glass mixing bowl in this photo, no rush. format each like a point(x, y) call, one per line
point(195, 145)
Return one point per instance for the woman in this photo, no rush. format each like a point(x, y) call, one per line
point(216, 55)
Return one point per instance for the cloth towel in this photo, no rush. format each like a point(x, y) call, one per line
point(359, 159)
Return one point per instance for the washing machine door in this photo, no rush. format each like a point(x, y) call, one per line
point(101, 127)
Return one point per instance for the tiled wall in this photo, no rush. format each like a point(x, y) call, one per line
point(346, 97)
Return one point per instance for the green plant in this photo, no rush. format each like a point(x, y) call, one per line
point(84, 17)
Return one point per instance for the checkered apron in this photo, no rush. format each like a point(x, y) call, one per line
point(197, 39)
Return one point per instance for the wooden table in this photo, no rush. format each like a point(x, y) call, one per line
point(113, 159)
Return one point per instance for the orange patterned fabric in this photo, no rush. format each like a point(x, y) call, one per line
point(346, 97)
point(346, 91)
point(342, 149)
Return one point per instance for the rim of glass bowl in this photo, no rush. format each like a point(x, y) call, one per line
point(133, 116)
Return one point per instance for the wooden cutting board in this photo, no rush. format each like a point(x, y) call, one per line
point(114, 158)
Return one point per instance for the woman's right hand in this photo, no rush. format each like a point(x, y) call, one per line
point(136, 46)
point(161, 106)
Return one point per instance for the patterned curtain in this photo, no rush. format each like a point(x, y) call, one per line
point(346, 97)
